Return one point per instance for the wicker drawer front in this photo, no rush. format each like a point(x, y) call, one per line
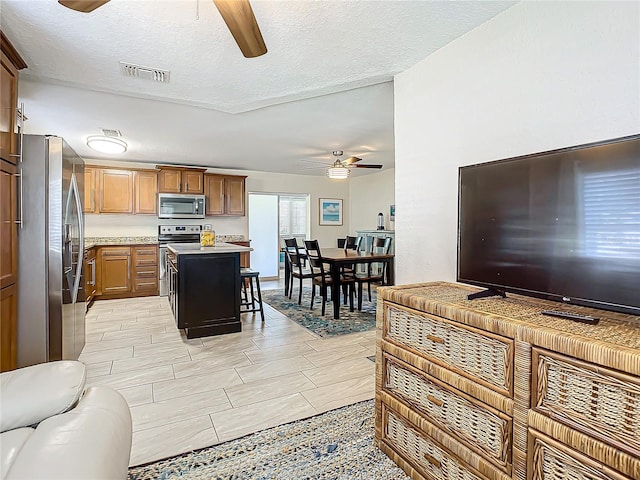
point(477, 355)
point(487, 433)
point(550, 460)
point(423, 453)
point(593, 399)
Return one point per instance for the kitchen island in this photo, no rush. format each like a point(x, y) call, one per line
point(204, 287)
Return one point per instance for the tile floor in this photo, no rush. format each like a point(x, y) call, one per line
point(187, 394)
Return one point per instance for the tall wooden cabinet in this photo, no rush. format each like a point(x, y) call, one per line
point(116, 191)
point(145, 189)
point(11, 63)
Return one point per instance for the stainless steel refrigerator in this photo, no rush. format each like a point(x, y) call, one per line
point(51, 301)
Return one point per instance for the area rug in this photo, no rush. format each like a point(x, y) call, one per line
point(325, 326)
point(335, 445)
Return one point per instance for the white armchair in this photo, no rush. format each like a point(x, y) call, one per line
point(51, 427)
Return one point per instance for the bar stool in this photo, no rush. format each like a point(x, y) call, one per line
point(246, 276)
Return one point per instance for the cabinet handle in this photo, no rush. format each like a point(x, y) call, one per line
point(143, 273)
point(433, 460)
point(435, 400)
point(435, 339)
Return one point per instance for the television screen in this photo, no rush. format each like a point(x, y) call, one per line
point(563, 225)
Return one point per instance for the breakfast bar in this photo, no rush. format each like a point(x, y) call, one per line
point(204, 287)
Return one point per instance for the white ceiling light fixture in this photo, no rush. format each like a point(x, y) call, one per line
point(104, 144)
point(338, 171)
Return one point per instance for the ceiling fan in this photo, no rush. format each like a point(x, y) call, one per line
point(237, 14)
point(342, 168)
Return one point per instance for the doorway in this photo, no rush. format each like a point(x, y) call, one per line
point(272, 218)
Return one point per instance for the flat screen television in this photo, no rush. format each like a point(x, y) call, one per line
point(562, 225)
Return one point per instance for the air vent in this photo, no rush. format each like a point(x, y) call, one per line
point(146, 73)
point(109, 132)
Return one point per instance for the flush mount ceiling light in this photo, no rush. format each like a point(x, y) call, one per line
point(338, 171)
point(106, 144)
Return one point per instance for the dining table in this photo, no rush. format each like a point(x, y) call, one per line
point(336, 258)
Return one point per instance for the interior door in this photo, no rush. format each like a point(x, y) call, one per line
point(263, 232)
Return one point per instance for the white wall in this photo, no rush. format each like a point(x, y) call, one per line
point(539, 76)
point(110, 225)
point(371, 194)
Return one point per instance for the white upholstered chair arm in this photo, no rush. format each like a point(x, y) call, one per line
point(31, 394)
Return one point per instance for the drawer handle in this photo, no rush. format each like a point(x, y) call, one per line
point(435, 339)
point(152, 272)
point(433, 460)
point(435, 400)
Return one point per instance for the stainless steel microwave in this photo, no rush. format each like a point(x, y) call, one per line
point(180, 205)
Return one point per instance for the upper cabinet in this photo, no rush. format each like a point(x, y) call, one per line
point(225, 194)
point(116, 191)
point(90, 184)
point(180, 180)
point(146, 186)
point(11, 63)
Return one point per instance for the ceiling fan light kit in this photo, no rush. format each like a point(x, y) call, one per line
point(104, 144)
point(338, 171)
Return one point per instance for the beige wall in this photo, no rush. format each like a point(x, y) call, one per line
point(539, 76)
point(371, 194)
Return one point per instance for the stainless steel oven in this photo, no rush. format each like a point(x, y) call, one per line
point(173, 234)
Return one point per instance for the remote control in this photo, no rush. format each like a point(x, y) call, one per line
point(572, 316)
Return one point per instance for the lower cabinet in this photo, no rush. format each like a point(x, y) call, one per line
point(90, 278)
point(126, 271)
point(115, 270)
point(8, 326)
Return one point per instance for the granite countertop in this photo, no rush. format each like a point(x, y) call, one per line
point(196, 248)
point(102, 241)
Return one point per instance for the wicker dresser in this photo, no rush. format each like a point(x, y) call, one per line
point(490, 389)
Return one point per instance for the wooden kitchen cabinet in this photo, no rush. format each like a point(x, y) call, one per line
point(180, 180)
point(145, 269)
point(8, 327)
point(8, 226)
point(10, 62)
point(116, 191)
point(90, 186)
point(115, 270)
point(146, 187)
point(225, 194)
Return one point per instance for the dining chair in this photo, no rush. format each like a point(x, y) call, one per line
point(352, 243)
point(323, 278)
point(376, 271)
point(297, 266)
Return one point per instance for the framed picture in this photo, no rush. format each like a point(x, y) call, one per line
point(330, 211)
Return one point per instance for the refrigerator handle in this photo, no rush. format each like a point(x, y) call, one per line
point(21, 117)
point(76, 195)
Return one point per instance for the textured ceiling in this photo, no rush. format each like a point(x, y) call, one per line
point(213, 109)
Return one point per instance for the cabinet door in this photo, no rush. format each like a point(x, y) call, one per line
point(8, 227)
point(8, 102)
point(192, 182)
point(146, 187)
point(234, 190)
point(169, 181)
point(214, 194)
point(116, 191)
point(115, 270)
point(8, 326)
point(90, 185)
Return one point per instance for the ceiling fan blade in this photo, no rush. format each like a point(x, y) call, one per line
point(351, 160)
point(84, 6)
point(239, 17)
point(367, 165)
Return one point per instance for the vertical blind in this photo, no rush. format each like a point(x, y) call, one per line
point(612, 213)
point(293, 216)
